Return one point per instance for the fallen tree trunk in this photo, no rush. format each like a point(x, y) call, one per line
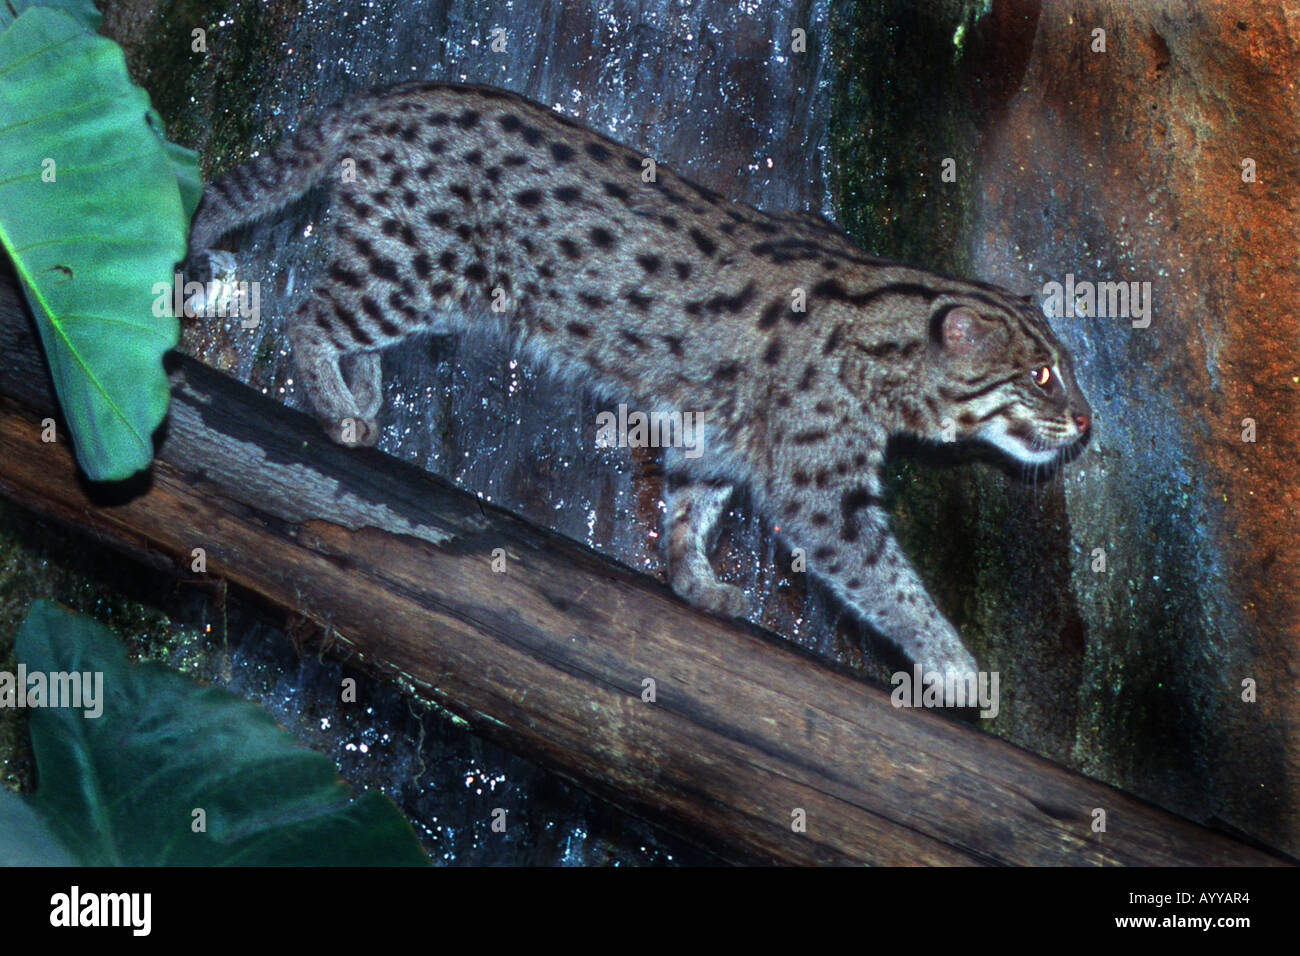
point(549, 657)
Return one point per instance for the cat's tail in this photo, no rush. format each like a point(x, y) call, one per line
point(276, 178)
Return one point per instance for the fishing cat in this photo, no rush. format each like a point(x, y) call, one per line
point(461, 207)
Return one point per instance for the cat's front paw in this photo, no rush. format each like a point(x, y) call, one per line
point(713, 596)
point(960, 676)
point(353, 432)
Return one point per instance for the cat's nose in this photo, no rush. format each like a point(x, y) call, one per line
point(1082, 420)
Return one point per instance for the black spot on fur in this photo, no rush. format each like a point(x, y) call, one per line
point(833, 339)
point(360, 209)
point(705, 193)
point(349, 322)
point(732, 303)
point(851, 502)
point(371, 308)
point(345, 277)
point(702, 242)
point(674, 197)
point(727, 372)
point(385, 269)
point(772, 313)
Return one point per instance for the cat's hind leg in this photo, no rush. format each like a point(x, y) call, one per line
point(693, 512)
point(364, 378)
point(319, 340)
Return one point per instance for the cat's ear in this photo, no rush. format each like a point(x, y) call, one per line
point(961, 331)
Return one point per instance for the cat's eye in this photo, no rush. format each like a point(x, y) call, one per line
point(1042, 376)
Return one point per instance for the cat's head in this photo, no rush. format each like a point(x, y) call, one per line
point(998, 374)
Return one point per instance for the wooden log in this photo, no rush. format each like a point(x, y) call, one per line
point(549, 657)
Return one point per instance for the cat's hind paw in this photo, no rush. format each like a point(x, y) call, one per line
point(713, 596)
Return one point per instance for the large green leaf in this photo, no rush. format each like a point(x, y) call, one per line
point(82, 10)
point(122, 788)
point(25, 837)
point(92, 215)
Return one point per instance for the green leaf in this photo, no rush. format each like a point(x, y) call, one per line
point(91, 245)
point(185, 164)
point(122, 788)
point(25, 839)
point(82, 10)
